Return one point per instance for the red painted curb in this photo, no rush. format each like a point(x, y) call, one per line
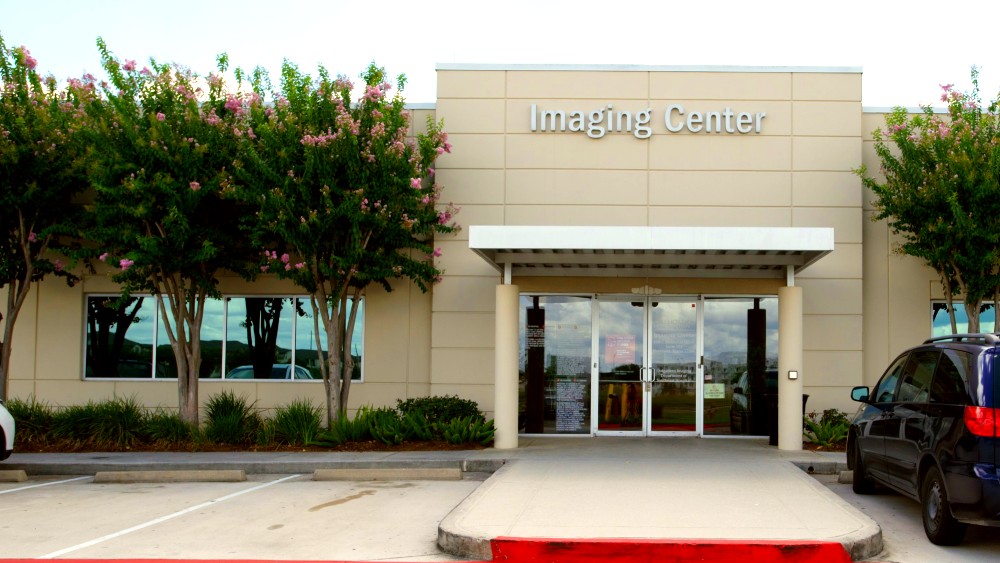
point(522, 550)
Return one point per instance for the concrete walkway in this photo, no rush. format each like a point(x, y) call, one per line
point(701, 490)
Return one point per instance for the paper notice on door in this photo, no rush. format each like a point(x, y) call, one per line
point(715, 390)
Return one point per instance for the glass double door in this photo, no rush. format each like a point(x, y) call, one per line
point(647, 363)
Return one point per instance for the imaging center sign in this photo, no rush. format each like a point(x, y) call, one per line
point(676, 118)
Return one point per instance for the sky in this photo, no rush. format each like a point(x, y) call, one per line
point(906, 48)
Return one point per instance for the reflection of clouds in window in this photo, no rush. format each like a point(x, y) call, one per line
point(941, 321)
point(213, 321)
point(726, 328)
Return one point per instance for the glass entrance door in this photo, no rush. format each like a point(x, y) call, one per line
point(648, 374)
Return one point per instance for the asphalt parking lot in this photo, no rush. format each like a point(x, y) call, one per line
point(903, 532)
point(264, 517)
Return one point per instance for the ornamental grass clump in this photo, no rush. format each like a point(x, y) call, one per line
point(231, 420)
point(296, 424)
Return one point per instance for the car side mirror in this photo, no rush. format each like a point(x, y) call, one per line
point(860, 394)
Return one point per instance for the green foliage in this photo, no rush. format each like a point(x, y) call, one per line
point(418, 427)
point(116, 424)
point(828, 429)
point(343, 197)
point(467, 430)
point(163, 427)
point(941, 176)
point(159, 220)
point(344, 429)
point(32, 419)
point(42, 169)
point(230, 419)
point(440, 408)
point(385, 426)
point(297, 423)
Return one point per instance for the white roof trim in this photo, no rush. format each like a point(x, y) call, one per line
point(651, 68)
point(650, 251)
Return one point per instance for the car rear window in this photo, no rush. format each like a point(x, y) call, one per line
point(951, 379)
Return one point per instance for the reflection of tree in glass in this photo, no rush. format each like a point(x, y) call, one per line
point(263, 317)
point(104, 315)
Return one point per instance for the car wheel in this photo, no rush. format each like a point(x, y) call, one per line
point(939, 525)
point(862, 483)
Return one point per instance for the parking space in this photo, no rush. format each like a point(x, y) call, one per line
point(265, 517)
point(903, 532)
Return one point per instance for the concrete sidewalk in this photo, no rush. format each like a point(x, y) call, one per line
point(714, 492)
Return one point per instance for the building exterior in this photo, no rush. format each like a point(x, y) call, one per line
point(645, 251)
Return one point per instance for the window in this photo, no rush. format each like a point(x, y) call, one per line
point(917, 377)
point(949, 382)
point(941, 321)
point(242, 337)
point(885, 391)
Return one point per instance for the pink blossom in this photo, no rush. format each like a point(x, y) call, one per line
point(31, 236)
point(57, 264)
point(129, 65)
point(426, 200)
point(263, 268)
point(195, 186)
point(160, 116)
point(145, 71)
point(300, 265)
point(430, 171)
point(125, 264)
point(288, 267)
point(103, 257)
point(415, 183)
point(233, 104)
point(29, 61)
point(285, 258)
point(437, 252)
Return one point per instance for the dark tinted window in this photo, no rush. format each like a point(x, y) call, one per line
point(917, 377)
point(949, 385)
point(885, 391)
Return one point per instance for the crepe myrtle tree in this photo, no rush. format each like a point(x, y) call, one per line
point(344, 198)
point(168, 139)
point(41, 171)
point(940, 191)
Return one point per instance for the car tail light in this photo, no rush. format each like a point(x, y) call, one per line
point(982, 421)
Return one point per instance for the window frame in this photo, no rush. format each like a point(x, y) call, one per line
point(224, 300)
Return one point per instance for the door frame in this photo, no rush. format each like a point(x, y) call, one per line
point(647, 370)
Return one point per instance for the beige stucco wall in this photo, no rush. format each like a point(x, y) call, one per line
point(47, 361)
point(796, 173)
point(898, 289)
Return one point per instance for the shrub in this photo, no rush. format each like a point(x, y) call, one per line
point(163, 427)
point(119, 423)
point(467, 430)
point(32, 419)
point(828, 429)
point(345, 429)
point(230, 420)
point(384, 425)
point(440, 408)
point(297, 424)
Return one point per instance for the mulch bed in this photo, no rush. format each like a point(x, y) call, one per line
point(365, 446)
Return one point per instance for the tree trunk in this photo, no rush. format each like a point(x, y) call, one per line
point(17, 292)
point(972, 312)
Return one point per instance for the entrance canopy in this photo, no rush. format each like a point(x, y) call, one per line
point(755, 252)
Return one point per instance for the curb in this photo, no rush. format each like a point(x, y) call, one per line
point(190, 476)
point(13, 476)
point(675, 551)
point(390, 474)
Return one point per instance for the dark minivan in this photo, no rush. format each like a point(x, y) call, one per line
point(929, 431)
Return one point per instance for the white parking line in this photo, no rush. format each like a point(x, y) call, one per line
point(45, 484)
point(121, 533)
